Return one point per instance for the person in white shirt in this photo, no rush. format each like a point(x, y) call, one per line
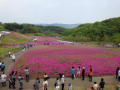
point(57, 84)
point(0, 36)
point(119, 75)
point(62, 82)
point(45, 85)
point(70, 86)
point(95, 86)
point(3, 79)
point(13, 57)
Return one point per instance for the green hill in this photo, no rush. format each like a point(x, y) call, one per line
point(107, 31)
point(14, 38)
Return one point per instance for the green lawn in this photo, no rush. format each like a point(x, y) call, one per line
point(11, 40)
point(14, 39)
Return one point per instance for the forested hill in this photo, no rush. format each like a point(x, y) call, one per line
point(107, 30)
point(33, 29)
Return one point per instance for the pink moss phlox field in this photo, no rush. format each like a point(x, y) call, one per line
point(46, 41)
point(37, 43)
point(60, 58)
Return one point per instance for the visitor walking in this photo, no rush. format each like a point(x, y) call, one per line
point(3, 79)
point(9, 54)
point(0, 65)
point(11, 82)
point(25, 48)
point(46, 77)
point(45, 85)
point(102, 83)
point(3, 67)
point(62, 82)
point(95, 86)
point(69, 86)
point(72, 73)
point(0, 36)
point(90, 75)
point(57, 84)
point(117, 69)
point(83, 73)
point(60, 75)
point(36, 84)
point(119, 75)
point(27, 74)
point(13, 57)
point(78, 71)
point(14, 74)
point(20, 79)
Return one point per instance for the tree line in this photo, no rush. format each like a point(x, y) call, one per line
point(33, 29)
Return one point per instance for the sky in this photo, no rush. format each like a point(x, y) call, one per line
point(58, 11)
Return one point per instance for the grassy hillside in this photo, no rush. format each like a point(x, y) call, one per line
point(14, 38)
point(4, 52)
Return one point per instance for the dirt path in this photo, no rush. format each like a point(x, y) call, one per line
point(78, 84)
point(9, 63)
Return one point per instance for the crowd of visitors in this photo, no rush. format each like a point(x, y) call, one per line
point(27, 46)
point(59, 83)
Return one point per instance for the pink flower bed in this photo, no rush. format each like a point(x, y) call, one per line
point(42, 38)
point(45, 41)
point(56, 59)
point(37, 43)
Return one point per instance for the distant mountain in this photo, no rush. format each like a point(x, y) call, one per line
point(60, 25)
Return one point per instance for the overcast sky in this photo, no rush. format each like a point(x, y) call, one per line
point(58, 11)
